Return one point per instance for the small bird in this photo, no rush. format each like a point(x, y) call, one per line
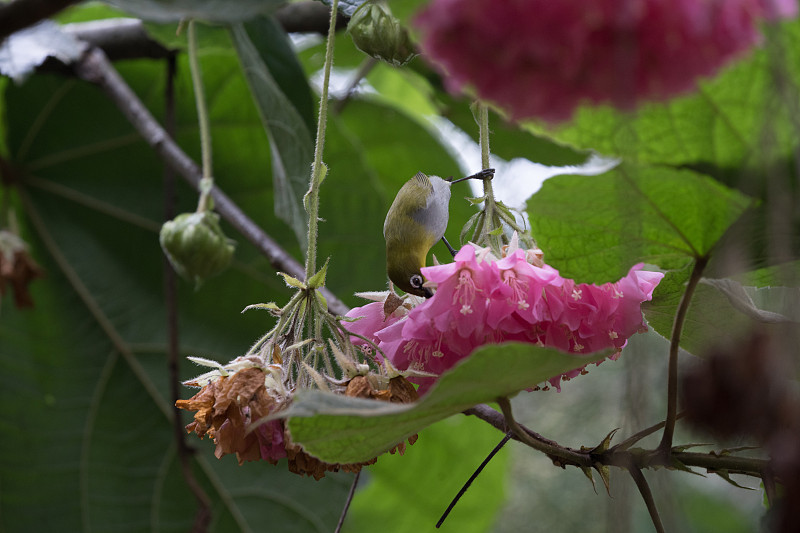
point(415, 222)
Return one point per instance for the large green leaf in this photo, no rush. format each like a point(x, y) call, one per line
point(290, 140)
point(85, 399)
point(339, 429)
point(745, 115)
point(594, 228)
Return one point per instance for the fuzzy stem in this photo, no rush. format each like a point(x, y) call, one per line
point(492, 218)
point(207, 183)
point(312, 205)
point(674, 346)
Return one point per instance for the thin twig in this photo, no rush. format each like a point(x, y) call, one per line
point(674, 347)
point(364, 69)
point(472, 478)
point(347, 502)
point(647, 496)
point(203, 514)
point(636, 437)
point(95, 68)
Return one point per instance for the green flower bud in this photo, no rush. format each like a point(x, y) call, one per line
point(195, 246)
point(376, 32)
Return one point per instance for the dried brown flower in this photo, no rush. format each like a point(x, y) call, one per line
point(17, 268)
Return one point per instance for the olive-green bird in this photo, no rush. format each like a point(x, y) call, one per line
point(416, 220)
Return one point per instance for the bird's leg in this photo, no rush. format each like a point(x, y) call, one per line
point(487, 173)
point(452, 250)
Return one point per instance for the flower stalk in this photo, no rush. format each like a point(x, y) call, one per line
point(205, 202)
point(318, 170)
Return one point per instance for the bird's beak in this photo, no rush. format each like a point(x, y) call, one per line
point(427, 292)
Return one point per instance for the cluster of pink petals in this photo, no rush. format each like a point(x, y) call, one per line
point(543, 58)
point(481, 300)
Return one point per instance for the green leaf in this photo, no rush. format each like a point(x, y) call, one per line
point(292, 281)
point(84, 396)
point(275, 49)
point(318, 280)
point(290, 141)
point(739, 118)
point(206, 10)
point(339, 429)
point(442, 459)
point(594, 228)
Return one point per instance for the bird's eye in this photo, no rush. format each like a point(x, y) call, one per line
point(416, 281)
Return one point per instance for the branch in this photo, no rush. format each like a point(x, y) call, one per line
point(624, 458)
point(20, 14)
point(95, 68)
point(203, 514)
point(129, 40)
point(674, 347)
point(647, 496)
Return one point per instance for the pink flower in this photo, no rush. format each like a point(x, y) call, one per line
point(540, 58)
point(491, 301)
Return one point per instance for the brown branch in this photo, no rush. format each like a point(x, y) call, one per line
point(647, 496)
point(95, 68)
point(120, 38)
point(674, 347)
point(126, 38)
point(308, 17)
point(20, 14)
point(203, 514)
point(624, 458)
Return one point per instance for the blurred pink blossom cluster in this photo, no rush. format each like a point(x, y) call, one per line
point(480, 299)
point(541, 59)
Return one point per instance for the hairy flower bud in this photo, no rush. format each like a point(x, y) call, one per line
point(196, 246)
point(375, 31)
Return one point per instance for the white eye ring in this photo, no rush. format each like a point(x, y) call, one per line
point(416, 281)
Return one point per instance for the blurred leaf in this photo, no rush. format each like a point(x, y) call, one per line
point(742, 302)
point(508, 140)
point(22, 52)
point(205, 10)
point(594, 228)
point(291, 145)
point(710, 318)
point(745, 115)
point(339, 429)
point(405, 9)
point(441, 460)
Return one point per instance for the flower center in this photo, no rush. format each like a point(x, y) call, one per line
point(465, 291)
